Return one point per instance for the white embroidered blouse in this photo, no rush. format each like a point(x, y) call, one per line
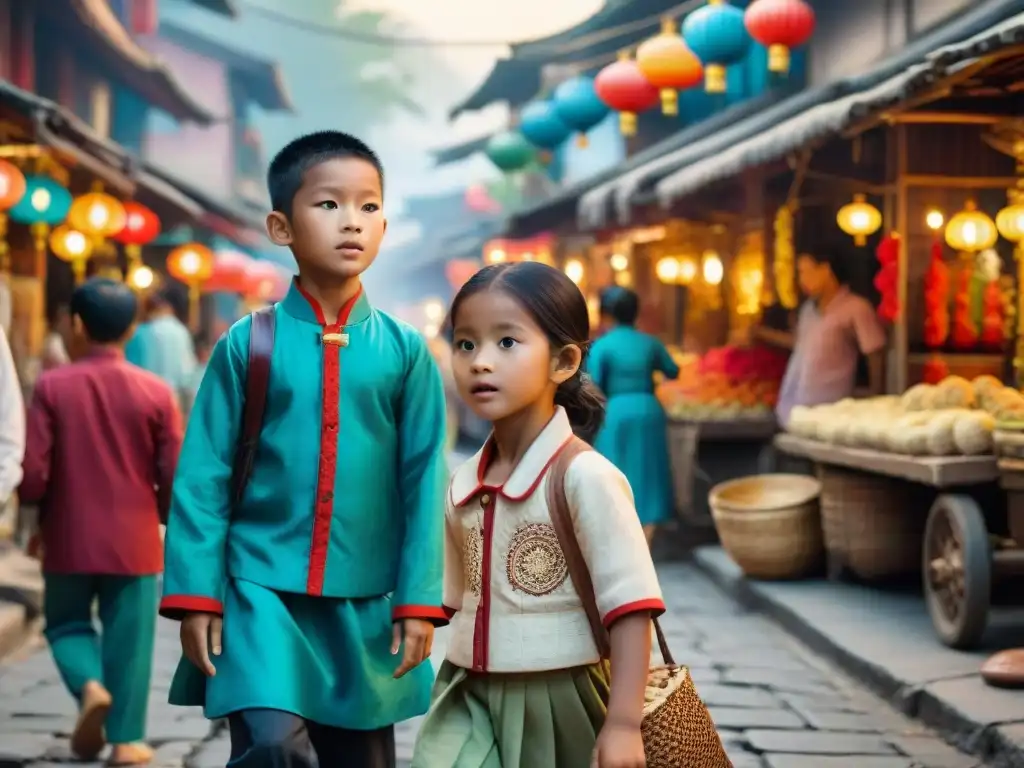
point(506, 584)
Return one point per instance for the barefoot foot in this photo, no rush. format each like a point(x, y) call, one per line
point(87, 739)
point(129, 754)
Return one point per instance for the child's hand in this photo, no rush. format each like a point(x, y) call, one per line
point(200, 634)
point(619, 746)
point(418, 637)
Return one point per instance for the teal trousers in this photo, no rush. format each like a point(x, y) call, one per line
point(120, 656)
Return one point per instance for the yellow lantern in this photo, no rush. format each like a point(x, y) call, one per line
point(667, 270)
point(192, 264)
point(712, 269)
point(859, 219)
point(97, 214)
point(141, 277)
point(72, 246)
point(971, 230)
point(1010, 220)
point(574, 270)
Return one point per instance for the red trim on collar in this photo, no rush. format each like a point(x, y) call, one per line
point(330, 413)
point(481, 469)
point(343, 314)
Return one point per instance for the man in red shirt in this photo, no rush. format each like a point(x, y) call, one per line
point(102, 444)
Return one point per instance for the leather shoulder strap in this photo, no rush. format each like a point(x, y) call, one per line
point(561, 521)
point(576, 564)
point(257, 380)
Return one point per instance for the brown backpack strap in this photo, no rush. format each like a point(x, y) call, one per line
point(257, 380)
point(576, 564)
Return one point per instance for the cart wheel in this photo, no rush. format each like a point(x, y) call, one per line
point(957, 570)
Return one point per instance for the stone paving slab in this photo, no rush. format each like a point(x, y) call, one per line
point(885, 640)
point(799, 714)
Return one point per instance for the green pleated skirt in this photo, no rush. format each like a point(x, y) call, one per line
point(532, 720)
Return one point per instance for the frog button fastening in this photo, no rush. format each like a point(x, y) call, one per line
point(485, 500)
point(337, 339)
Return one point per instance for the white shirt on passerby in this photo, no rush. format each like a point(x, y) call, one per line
point(12, 423)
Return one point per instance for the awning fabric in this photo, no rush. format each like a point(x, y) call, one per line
point(986, 26)
point(832, 117)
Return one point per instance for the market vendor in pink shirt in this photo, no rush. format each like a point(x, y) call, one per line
point(833, 329)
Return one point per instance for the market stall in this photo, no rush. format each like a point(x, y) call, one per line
point(720, 420)
point(912, 483)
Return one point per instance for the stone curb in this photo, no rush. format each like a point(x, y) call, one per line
point(937, 712)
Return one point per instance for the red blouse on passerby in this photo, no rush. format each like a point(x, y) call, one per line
point(102, 444)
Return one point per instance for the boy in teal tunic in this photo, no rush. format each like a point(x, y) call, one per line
point(297, 601)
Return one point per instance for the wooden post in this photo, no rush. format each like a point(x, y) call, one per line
point(900, 340)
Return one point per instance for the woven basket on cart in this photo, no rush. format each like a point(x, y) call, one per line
point(873, 525)
point(770, 524)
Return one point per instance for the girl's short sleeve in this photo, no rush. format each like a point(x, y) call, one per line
point(612, 539)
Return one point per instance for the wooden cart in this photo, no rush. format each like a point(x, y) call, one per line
point(968, 547)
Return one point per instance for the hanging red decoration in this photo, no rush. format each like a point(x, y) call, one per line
point(887, 277)
point(230, 273)
point(936, 299)
point(622, 86)
point(934, 370)
point(992, 316)
point(965, 332)
point(458, 271)
point(780, 25)
point(479, 200)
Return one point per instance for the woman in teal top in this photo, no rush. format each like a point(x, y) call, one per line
point(634, 435)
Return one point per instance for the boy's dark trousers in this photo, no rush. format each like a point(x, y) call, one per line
point(269, 738)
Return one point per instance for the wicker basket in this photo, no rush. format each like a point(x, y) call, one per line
point(873, 525)
point(770, 524)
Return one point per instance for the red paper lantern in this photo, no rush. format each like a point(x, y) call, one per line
point(12, 185)
point(667, 63)
point(264, 281)
point(623, 87)
point(780, 25)
point(230, 270)
point(141, 225)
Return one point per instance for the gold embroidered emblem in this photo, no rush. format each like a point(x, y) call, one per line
point(473, 559)
point(338, 339)
point(535, 563)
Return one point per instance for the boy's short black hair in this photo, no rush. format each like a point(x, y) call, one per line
point(832, 255)
point(106, 307)
point(289, 166)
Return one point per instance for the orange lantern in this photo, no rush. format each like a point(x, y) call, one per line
point(230, 269)
point(97, 214)
point(12, 189)
point(192, 264)
point(72, 246)
point(141, 227)
point(669, 65)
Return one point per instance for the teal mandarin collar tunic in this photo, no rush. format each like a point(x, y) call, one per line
point(346, 498)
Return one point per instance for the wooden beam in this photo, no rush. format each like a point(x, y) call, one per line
point(945, 118)
point(960, 182)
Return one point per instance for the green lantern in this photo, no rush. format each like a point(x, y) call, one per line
point(510, 151)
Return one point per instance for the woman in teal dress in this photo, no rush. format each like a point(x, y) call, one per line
point(634, 434)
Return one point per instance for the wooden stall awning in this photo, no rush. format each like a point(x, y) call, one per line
point(748, 140)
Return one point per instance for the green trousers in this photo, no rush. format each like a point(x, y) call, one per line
point(120, 657)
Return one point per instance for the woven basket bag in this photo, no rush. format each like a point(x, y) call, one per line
point(677, 729)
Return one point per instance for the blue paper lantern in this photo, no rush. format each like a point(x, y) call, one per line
point(44, 202)
point(540, 124)
point(577, 105)
point(719, 37)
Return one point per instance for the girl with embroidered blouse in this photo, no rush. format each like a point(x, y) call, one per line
point(523, 684)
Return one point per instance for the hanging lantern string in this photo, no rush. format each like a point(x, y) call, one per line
point(583, 41)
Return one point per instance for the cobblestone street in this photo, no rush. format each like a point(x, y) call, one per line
point(776, 706)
